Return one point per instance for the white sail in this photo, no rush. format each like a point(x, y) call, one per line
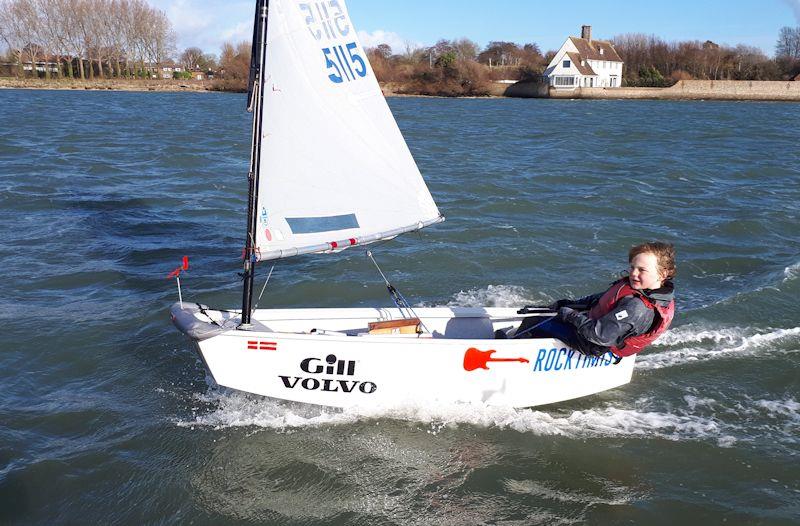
point(335, 170)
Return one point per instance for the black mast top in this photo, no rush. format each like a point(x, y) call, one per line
point(255, 102)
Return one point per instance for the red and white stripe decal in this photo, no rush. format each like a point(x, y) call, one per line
point(260, 345)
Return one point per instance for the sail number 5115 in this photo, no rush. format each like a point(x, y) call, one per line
point(344, 63)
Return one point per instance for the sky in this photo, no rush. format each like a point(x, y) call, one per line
point(208, 23)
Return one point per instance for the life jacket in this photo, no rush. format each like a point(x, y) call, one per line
point(664, 310)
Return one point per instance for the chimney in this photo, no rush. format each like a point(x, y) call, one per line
point(586, 32)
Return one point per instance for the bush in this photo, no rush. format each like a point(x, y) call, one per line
point(226, 84)
point(457, 78)
point(679, 75)
point(648, 77)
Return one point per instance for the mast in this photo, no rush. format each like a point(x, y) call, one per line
point(258, 60)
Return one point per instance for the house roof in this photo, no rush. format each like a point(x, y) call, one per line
point(591, 49)
point(578, 62)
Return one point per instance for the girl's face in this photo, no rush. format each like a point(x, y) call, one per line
point(644, 272)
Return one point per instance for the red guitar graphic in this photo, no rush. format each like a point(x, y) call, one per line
point(475, 359)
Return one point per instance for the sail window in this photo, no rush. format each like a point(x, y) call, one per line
point(314, 225)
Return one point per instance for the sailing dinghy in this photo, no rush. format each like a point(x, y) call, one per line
point(330, 170)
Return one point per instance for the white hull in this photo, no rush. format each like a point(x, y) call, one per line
point(341, 365)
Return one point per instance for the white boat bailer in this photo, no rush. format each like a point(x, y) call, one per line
point(330, 170)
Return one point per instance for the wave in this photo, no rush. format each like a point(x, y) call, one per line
point(618, 495)
point(237, 409)
point(698, 417)
point(233, 409)
point(494, 296)
point(791, 272)
point(711, 344)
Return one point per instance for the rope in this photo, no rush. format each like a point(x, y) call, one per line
point(397, 297)
point(263, 288)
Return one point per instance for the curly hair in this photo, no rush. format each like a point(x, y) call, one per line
point(664, 253)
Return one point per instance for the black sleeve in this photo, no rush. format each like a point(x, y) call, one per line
point(587, 302)
point(630, 317)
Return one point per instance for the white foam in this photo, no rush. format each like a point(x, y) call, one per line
point(693, 334)
point(493, 296)
point(540, 489)
point(789, 408)
point(235, 409)
point(791, 272)
point(779, 420)
point(714, 344)
point(695, 402)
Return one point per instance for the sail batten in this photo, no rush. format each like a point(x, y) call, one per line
point(334, 165)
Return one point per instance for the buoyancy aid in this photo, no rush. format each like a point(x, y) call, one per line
point(664, 311)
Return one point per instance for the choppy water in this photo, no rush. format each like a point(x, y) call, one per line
point(107, 416)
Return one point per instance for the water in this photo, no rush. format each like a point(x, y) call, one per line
point(108, 417)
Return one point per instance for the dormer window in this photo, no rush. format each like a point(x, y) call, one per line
point(566, 63)
point(601, 51)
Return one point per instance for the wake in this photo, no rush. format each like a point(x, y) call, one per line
point(695, 419)
point(697, 345)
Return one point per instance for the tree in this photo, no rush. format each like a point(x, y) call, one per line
point(160, 41)
point(13, 32)
point(532, 48)
point(447, 59)
point(465, 49)
point(234, 65)
point(788, 45)
point(384, 50)
point(191, 58)
point(100, 34)
point(499, 53)
point(383, 62)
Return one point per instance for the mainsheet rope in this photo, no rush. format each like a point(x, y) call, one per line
point(397, 297)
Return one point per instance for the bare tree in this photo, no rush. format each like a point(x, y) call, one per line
point(160, 42)
point(13, 31)
point(192, 58)
point(98, 34)
point(788, 44)
point(138, 20)
point(498, 53)
point(466, 49)
point(51, 32)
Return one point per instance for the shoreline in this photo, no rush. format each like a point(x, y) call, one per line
point(156, 85)
point(698, 90)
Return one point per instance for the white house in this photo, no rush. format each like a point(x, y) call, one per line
point(583, 62)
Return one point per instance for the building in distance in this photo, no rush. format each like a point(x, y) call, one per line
point(583, 62)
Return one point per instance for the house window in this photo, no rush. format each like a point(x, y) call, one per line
point(566, 63)
point(564, 81)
